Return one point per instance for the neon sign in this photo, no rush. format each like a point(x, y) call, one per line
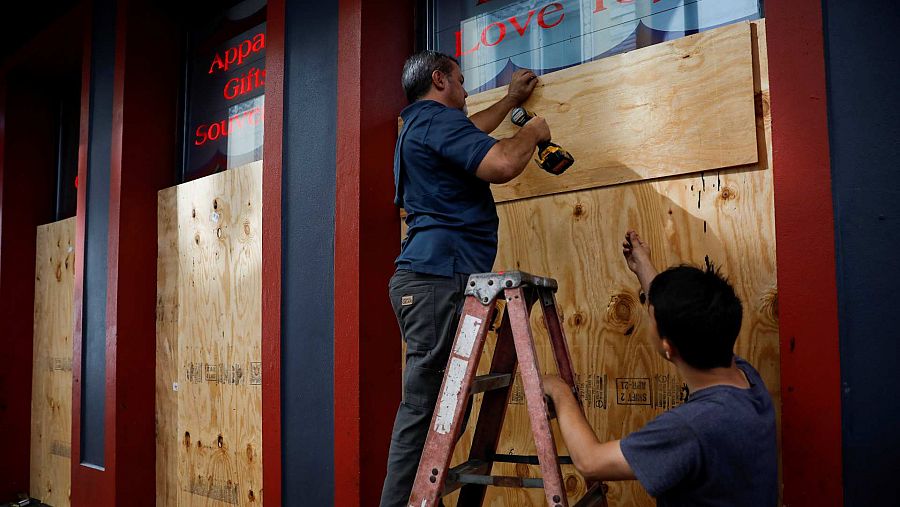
point(226, 101)
point(237, 86)
point(250, 118)
point(237, 54)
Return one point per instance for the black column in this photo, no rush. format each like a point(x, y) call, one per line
point(308, 204)
point(93, 386)
point(863, 73)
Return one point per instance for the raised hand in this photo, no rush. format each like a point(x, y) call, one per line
point(637, 256)
point(636, 252)
point(521, 85)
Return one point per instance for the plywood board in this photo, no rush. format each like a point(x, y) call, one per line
point(167, 265)
point(209, 379)
point(674, 108)
point(51, 385)
point(725, 215)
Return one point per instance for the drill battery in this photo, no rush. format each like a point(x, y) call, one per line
point(551, 157)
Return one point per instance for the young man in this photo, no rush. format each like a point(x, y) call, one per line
point(718, 448)
point(444, 163)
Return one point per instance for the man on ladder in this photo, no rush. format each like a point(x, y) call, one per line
point(444, 163)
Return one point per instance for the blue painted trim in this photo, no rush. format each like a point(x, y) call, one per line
point(96, 246)
point(308, 203)
point(863, 73)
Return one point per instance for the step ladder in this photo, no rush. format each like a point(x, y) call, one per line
point(515, 344)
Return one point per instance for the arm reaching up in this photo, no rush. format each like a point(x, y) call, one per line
point(637, 255)
point(520, 87)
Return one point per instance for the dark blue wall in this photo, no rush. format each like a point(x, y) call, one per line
point(863, 72)
point(308, 197)
point(93, 366)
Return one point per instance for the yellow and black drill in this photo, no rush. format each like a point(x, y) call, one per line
point(550, 157)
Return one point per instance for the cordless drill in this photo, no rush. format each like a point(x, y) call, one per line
point(550, 157)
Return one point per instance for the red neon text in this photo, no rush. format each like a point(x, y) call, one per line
point(224, 128)
point(237, 86)
point(237, 54)
point(495, 32)
point(598, 6)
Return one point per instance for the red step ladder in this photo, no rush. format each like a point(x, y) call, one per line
point(515, 344)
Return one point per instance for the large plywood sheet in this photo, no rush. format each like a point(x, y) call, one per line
point(209, 380)
point(723, 215)
point(51, 385)
point(674, 108)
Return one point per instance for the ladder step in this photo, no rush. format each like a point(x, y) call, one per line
point(490, 382)
point(473, 466)
point(501, 481)
point(594, 497)
point(475, 472)
point(527, 460)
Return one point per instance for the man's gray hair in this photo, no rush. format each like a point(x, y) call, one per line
point(418, 69)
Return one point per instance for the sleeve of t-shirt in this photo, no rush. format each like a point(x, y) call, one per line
point(663, 453)
point(453, 136)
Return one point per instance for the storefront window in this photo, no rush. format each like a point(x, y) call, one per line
point(493, 38)
point(226, 92)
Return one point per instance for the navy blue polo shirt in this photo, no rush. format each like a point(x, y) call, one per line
point(718, 449)
point(450, 214)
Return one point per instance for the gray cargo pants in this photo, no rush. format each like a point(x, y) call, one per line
point(428, 309)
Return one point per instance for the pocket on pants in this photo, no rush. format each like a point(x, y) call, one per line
point(421, 386)
point(414, 309)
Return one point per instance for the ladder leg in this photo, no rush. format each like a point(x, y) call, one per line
point(491, 415)
point(557, 337)
point(596, 491)
point(534, 397)
point(446, 423)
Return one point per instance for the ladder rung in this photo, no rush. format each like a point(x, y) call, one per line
point(594, 497)
point(501, 481)
point(527, 460)
point(473, 466)
point(490, 382)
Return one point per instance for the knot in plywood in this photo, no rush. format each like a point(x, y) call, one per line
point(768, 306)
point(727, 193)
point(577, 319)
point(574, 486)
point(621, 311)
point(579, 211)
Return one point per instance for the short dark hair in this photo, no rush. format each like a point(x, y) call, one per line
point(698, 311)
point(418, 69)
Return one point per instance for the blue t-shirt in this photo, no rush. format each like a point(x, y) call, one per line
point(717, 449)
point(450, 214)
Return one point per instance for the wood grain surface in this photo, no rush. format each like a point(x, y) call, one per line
point(209, 376)
point(674, 108)
point(51, 384)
